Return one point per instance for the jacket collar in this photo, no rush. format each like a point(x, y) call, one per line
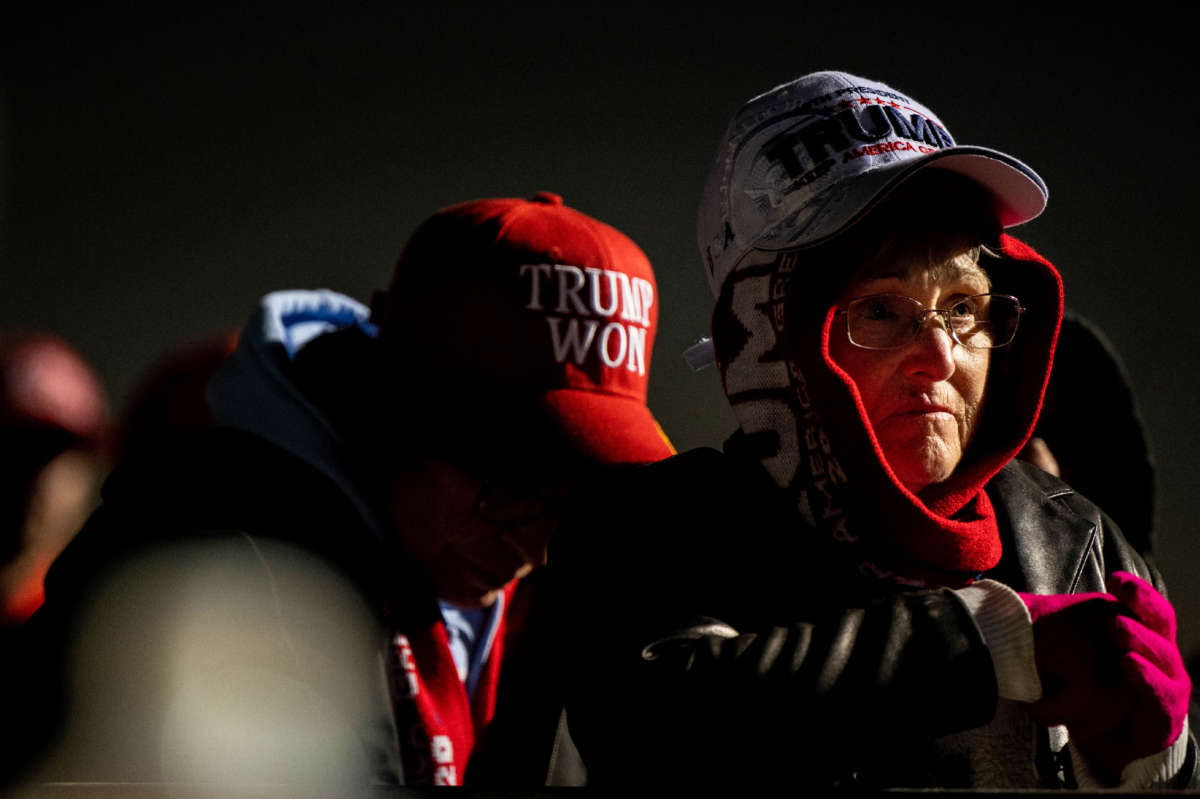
point(1049, 554)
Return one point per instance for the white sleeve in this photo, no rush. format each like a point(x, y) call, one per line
point(1153, 771)
point(1007, 630)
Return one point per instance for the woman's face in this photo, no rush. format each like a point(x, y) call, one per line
point(923, 398)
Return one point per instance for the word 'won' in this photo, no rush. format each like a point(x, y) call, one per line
point(569, 296)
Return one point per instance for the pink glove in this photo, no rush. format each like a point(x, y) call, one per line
point(1111, 673)
point(1151, 669)
point(1071, 648)
point(1042, 605)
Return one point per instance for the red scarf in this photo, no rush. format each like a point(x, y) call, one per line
point(438, 725)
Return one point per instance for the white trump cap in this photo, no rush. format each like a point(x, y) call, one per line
point(807, 159)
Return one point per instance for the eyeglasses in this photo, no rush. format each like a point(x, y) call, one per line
point(888, 321)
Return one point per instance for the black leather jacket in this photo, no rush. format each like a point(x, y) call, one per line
point(710, 640)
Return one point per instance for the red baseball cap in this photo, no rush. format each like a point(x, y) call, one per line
point(507, 299)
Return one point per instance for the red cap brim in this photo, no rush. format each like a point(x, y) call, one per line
point(607, 428)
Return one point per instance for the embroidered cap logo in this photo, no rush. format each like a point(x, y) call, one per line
point(805, 160)
point(612, 322)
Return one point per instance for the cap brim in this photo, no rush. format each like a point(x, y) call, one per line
point(607, 428)
point(1018, 193)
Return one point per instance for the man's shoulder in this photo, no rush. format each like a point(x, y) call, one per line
point(226, 478)
point(220, 485)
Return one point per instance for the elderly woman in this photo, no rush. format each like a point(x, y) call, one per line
point(866, 587)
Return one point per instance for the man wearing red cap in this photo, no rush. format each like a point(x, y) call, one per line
point(391, 478)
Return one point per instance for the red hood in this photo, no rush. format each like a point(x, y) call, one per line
point(807, 419)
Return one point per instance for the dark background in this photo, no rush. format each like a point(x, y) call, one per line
point(164, 168)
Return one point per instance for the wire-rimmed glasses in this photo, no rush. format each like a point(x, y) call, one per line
point(888, 321)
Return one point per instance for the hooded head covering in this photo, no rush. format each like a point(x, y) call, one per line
point(802, 415)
